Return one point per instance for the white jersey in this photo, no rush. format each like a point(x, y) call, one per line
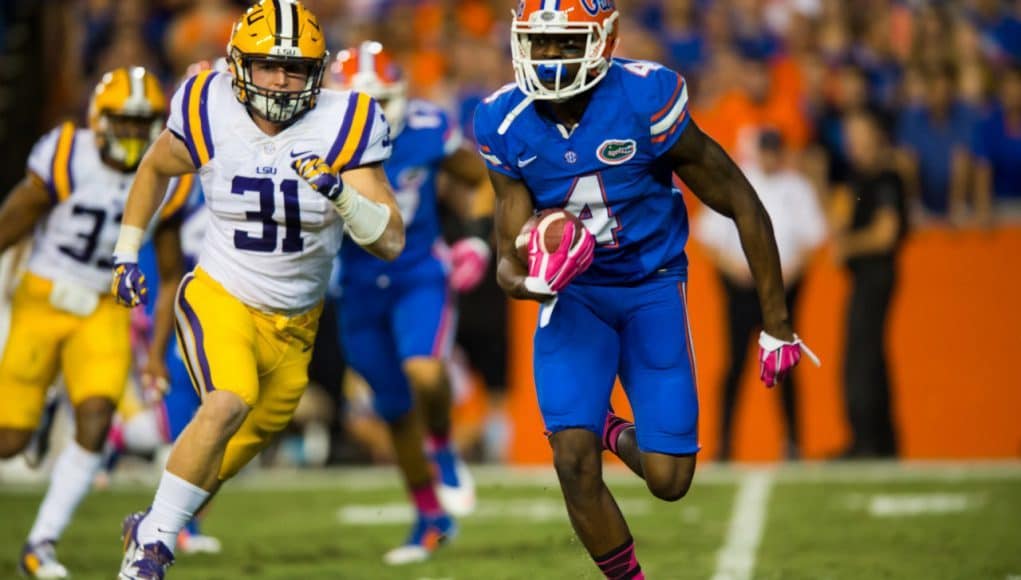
point(74, 243)
point(270, 238)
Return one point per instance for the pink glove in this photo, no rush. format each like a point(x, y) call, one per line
point(552, 271)
point(469, 260)
point(777, 357)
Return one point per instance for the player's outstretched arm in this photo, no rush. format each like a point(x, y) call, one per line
point(712, 176)
point(371, 183)
point(513, 208)
point(170, 264)
point(22, 208)
point(167, 157)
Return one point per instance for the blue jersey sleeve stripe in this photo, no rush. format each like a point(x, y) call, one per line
point(345, 126)
point(677, 113)
point(676, 130)
point(673, 98)
point(186, 127)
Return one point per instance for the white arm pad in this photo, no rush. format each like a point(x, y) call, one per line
point(366, 220)
point(129, 240)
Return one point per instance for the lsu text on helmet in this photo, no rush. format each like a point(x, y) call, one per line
point(126, 115)
point(371, 69)
point(546, 79)
point(280, 33)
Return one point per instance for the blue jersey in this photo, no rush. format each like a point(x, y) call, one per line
point(427, 139)
point(608, 171)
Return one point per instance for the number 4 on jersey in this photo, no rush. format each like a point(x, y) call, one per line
point(587, 200)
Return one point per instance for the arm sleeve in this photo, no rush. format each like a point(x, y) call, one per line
point(492, 147)
point(364, 135)
point(189, 117)
point(664, 102)
point(50, 159)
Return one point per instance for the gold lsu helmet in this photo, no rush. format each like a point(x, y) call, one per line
point(126, 115)
point(282, 32)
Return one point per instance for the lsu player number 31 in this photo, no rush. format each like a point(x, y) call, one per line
point(62, 320)
point(285, 168)
point(603, 138)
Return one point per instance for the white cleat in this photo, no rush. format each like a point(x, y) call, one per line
point(402, 555)
point(197, 544)
point(40, 561)
point(142, 562)
point(427, 535)
point(459, 500)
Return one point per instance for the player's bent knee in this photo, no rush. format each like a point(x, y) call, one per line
point(222, 413)
point(425, 374)
point(670, 490)
point(13, 441)
point(669, 477)
point(93, 418)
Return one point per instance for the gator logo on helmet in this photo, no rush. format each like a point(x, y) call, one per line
point(594, 7)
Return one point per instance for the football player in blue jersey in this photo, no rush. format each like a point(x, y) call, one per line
point(603, 138)
point(398, 319)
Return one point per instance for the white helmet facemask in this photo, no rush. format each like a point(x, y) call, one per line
point(274, 105)
point(393, 97)
point(532, 75)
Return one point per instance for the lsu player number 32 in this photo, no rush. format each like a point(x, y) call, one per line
point(603, 138)
point(62, 320)
point(285, 168)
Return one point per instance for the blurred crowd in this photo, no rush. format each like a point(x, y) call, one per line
point(942, 76)
point(940, 79)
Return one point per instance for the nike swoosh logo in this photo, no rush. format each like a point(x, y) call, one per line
point(525, 162)
point(300, 154)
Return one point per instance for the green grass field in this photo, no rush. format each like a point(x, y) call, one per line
point(811, 522)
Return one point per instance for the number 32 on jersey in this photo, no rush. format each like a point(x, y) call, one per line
point(587, 200)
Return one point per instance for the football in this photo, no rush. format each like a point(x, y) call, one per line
point(551, 223)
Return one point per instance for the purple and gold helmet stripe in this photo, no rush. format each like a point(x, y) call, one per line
point(195, 108)
point(286, 22)
point(61, 181)
point(192, 340)
point(178, 197)
point(350, 139)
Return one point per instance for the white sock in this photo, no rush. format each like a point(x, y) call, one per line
point(72, 477)
point(173, 507)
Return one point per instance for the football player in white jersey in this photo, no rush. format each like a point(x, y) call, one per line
point(62, 319)
point(285, 169)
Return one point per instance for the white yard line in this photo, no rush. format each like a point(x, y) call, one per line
point(132, 475)
point(736, 559)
